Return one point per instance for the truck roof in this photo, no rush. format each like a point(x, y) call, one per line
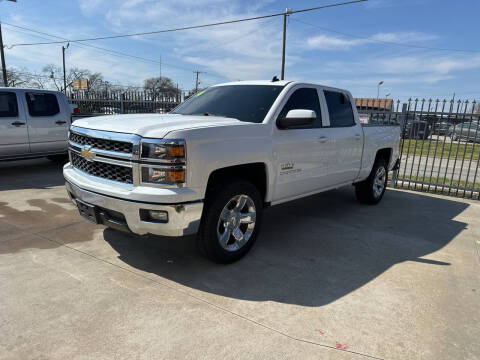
point(3, 88)
point(275, 83)
point(256, 82)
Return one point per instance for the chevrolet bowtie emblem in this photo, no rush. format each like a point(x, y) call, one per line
point(87, 154)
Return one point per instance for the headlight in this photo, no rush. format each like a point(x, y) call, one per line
point(163, 175)
point(171, 151)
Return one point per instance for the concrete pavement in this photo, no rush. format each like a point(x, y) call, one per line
point(328, 278)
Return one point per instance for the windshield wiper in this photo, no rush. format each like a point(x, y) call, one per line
point(209, 114)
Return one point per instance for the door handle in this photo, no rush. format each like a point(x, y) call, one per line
point(60, 122)
point(18, 123)
point(357, 136)
point(322, 139)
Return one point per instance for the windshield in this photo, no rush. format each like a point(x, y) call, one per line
point(248, 103)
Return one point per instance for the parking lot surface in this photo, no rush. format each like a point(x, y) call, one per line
point(328, 278)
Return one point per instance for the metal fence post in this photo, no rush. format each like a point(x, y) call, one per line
point(402, 122)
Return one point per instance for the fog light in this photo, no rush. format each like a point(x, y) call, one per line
point(158, 215)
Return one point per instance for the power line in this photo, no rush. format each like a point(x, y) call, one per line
point(233, 39)
point(118, 53)
point(387, 42)
point(115, 52)
point(191, 27)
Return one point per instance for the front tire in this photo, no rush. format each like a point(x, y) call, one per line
point(371, 190)
point(231, 221)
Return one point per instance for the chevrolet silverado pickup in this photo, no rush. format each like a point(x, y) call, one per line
point(216, 161)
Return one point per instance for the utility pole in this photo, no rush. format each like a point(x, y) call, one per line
point(64, 70)
point(2, 53)
point(196, 79)
point(287, 11)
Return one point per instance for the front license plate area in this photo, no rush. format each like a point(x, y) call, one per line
point(87, 211)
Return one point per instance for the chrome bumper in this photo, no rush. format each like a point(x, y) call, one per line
point(183, 219)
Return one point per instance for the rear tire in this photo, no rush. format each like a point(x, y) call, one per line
point(231, 221)
point(371, 190)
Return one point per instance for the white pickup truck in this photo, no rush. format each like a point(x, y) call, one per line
point(216, 161)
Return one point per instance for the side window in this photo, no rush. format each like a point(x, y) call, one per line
point(42, 104)
point(304, 99)
point(340, 109)
point(8, 104)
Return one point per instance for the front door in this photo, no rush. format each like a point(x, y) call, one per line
point(299, 152)
point(13, 126)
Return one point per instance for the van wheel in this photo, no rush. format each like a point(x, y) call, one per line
point(231, 222)
point(371, 190)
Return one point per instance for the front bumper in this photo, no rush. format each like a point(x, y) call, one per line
point(183, 218)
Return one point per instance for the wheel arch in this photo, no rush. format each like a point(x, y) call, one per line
point(255, 173)
point(386, 154)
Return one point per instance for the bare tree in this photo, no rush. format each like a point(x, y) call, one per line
point(158, 87)
point(95, 81)
point(55, 73)
point(23, 78)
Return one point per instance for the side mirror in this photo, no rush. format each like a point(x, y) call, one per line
point(297, 118)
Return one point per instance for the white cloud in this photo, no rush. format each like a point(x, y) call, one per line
point(236, 51)
point(327, 42)
point(113, 68)
point(427, 64)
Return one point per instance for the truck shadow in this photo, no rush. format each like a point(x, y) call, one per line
point(311, 252)
point(29, 174)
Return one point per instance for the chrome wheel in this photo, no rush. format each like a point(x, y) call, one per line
point(236, 222)
point(379, 182)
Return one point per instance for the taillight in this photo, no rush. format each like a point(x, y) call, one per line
point(76, 110)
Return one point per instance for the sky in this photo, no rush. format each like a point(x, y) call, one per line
point(347, 47)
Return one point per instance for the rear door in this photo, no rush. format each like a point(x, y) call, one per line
point(300, 152)
point(345, 138)
point(48, 121)
point(13, 126)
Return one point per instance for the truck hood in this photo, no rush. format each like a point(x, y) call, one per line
point(152, 125)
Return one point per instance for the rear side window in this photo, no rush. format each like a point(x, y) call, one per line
point(304, 99)
point(42, 104)
point(8, 104)
point(339, 108)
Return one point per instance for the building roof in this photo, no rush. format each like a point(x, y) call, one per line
point(373, 103)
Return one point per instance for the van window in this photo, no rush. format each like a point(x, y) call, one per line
point(339, 108)
point(42, 104)
point(304, 99)
point(8, 104)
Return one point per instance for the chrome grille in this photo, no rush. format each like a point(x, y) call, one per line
point(102, 144)
point(103, 170)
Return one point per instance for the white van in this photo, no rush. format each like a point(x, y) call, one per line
point(33, 123)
